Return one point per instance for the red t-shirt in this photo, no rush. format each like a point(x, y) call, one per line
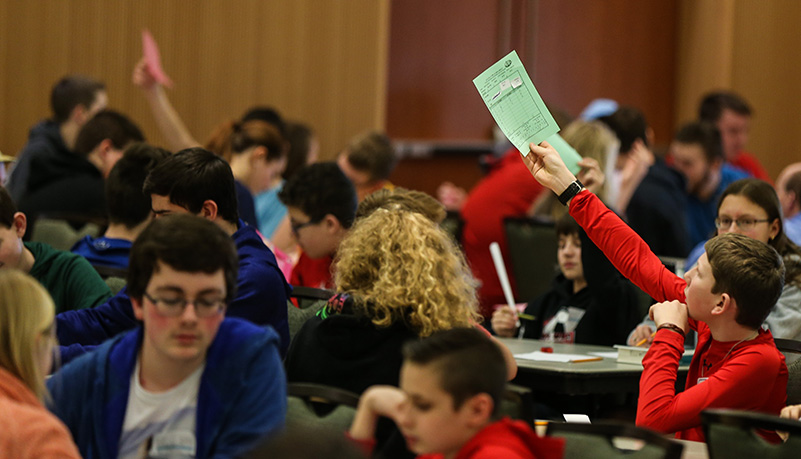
point(750, 164)
point(314, 273)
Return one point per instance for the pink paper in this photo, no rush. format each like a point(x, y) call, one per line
point(153, 59)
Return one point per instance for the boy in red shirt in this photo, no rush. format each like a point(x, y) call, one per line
point(725, 298)
point(450, 387)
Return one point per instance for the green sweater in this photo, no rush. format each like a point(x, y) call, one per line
point(71, 280)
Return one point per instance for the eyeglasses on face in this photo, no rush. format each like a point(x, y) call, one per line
point(298, 226)
point(745, 223)
point(175, 306)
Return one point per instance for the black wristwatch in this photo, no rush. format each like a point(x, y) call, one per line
point(571, 191)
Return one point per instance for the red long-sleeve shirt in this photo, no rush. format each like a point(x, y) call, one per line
point(752, 377)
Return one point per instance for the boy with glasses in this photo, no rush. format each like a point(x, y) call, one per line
point(321, 202)
point(187, 380)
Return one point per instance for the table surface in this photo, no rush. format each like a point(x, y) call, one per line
point(597, 377)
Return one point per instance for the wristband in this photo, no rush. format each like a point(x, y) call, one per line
point(572, 190)
point(672, 327)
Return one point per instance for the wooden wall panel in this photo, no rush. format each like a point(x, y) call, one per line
point(317, 61)
point(748, 46)
point(620, 49)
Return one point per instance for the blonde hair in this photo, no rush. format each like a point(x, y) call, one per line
point(399, 265)
point(591, 139)
point(26, 311)
point(402, 199)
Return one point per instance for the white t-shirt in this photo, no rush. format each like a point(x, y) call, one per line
point(160, 425)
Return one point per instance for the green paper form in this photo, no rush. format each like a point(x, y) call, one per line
point(518, 108)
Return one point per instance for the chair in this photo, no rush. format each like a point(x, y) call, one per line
point(61, 234)
point(307, 296)
point(730, 433)
point(606, 440)
point(532, 251)
point(792, 354)
point(320, 406)
point(518, 403)
point(297, 317)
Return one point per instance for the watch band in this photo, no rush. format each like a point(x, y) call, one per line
point(571, 191)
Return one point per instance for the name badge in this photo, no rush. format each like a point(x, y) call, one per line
point(700, 380)
point(173, 445)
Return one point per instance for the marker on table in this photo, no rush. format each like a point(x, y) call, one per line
point(644, 340)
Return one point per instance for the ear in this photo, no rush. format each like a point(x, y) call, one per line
point(79, 113)
point(258, 154)
point(138, 310)
point(209, 210)
point(725, 304)
point(332, 224)
point(104, 147)
point(774, 229)
point(20, 224)
point(478, 410)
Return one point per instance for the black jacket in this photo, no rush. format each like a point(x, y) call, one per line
point(611, 303)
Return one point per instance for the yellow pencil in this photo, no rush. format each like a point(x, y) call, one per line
point(644, 340)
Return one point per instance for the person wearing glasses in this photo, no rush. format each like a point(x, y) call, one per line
point(187, 382)
point(750, 207)
point(197, 182)
point(321, 203)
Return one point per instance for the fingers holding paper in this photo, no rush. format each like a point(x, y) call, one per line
point(548, 168)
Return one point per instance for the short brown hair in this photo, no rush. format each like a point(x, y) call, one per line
point(402, 199)
point(373, 154)
point(750, 271)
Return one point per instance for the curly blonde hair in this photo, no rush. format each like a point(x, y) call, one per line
point(399, 265)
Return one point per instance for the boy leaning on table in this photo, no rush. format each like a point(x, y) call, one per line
point(451, 385)
point(724, 298)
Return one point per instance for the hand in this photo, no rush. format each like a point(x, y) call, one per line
point(642, 332)
point(451, 196)
point(639, 160)
point(674, 312)
point(504, 322)
point(591, 175)
point(548, 168)
point(791, 412)
point(142, 77)
point(376, 401)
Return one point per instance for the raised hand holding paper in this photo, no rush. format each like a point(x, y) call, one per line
point(514, 102)
point(519, 110)
point(153, 59)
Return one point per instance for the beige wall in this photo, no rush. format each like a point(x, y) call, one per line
point(751, 47)
point(323, 62)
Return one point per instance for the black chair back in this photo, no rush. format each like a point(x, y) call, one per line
point(732, 433)
point(610, 440)
point(532, 251)
point(320, 406)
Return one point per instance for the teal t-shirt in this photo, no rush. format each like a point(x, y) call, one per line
point(71, 280)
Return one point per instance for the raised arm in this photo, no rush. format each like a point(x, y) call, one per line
point(621, 245)
point(169, 122)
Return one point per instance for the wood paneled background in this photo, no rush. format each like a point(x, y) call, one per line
point(406, 66)
point(323, 62)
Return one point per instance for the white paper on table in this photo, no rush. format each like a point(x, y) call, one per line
point(606, 355)
point(578, 418)
point(540, 356)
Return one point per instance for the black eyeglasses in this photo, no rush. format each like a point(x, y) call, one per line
point(174, 307)
point(298, 226)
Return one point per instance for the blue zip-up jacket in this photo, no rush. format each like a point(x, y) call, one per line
point(261, 297)
point(241, 398)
